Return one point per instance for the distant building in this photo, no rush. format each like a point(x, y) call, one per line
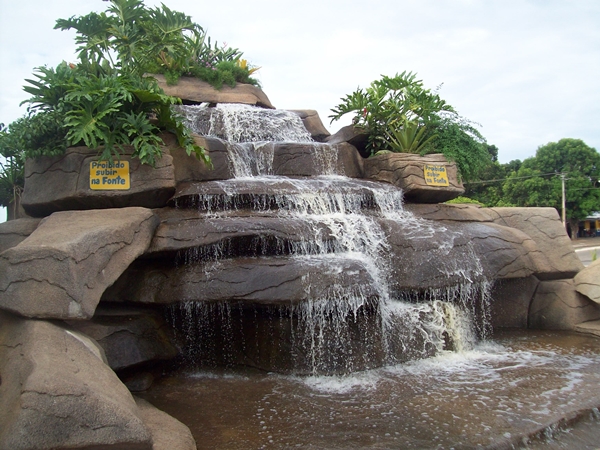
point(590, 226)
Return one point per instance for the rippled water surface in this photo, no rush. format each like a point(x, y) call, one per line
point(504, 394)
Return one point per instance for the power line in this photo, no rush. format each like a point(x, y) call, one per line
point(514, 178)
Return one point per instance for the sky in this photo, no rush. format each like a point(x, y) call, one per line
point(526, 71)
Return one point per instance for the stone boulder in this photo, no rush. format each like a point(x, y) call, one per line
point(192, 90)
point(587, 282)
point(353, 136)
point(449, 212)
point(556, 259)
point(558, 306)
point(265, 280)
point(60, 183)
point(187, 236)
point(292, 159)
point(188, 168)
point(167, 432)
point(511, 299)
point(15, 231)
point(61, 270)
point(445, 255)
point(131, 338)
point(407, 171)
point(57, 392)
point(312, 122)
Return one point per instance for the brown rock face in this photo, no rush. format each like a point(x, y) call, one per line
point(167, 432)
point(555, 258)
point(406, 171)
point(558, 306)
point(61, 270)
point(57, 392)
point(587, 282)
point(312, 122)
point(15, 231)
point(63, 183)
point(192, 90)
point(130, 337)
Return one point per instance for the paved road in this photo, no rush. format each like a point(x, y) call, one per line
point(586, 248)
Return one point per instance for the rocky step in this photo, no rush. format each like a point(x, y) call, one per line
point(319, 195)
point(286, 280)
point(189, 236)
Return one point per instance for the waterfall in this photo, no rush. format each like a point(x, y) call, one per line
point(339, 328)
point(243, 123)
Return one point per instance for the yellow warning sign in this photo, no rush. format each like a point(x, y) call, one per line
point(436, 175)
point(106, 175)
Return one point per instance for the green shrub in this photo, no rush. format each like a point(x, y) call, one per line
point(399, 114)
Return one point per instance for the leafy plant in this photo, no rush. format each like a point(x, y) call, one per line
point(154, 40)
point(103, 108)
point(464, 200)
point(399, 114)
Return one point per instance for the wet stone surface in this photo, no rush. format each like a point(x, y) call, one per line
point(504, 394)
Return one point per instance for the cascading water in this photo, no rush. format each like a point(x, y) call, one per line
point(351, 323)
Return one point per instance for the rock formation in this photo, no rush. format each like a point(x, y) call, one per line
point(84, 291)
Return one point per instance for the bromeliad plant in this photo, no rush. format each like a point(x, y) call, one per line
point(398, 114)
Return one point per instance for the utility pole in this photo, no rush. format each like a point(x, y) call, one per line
point(564, 201)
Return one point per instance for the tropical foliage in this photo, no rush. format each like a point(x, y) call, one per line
point(106, 101)
point(155, 40)
point(399, 114)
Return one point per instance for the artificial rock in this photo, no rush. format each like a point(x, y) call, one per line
point(59, 183)
point(192, 90)
point(406, 171)
point(587, 282)
point(61, 270)
point(58, 392)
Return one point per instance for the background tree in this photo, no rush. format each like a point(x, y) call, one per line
point(536, 181)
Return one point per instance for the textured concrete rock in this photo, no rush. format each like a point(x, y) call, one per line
point(312, 122)
point(352, 136)
point(292, 159)
point(511, 299)
point(587, 282)
point(57, 392)
point(558, 306)
point(591, 327)
point(267, 280)
point(130, 337)
point(192, 90)
point(406, 171)
point(287, 193)
point(62, 183)
point(556, 258)
point(191, 237)
point(446, 255)
point(189, 168)
point(167, 432)
point(61, 270)
point(450, 212)
point(15, 231)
